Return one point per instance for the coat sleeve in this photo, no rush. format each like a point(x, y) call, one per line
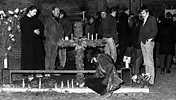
point(109, 69)
point(153, 28)
point(67, 28)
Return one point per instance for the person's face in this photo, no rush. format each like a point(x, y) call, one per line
point(174, 19)
point(33, 12)
point(61, 15)
point(127, 12)
point(91, 20)
point(114, 13)
point(103, 15)
point(56, 12)
point(144, 14)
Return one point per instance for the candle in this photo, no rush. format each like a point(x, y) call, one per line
point(83, 15)
point(23, 84)
point(96, 36)
point(55, 85)
point(71, 36)
point(92, 36)
point(40, 83)
point(126, 63)
point(88, 36)
point(68, 85)
point(72, 83)
point(5, 62)
point(62, 84)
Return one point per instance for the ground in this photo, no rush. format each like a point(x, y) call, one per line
point(164, 89)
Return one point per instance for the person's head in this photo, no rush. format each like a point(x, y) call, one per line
point(113, 11)
point(126, 10)
point(91, 19)
point(95, 53)
point(103, 14)
point(174, 17)
point(32, 11)
point(56, 11)
point(168, 15)
point(144, 11)
point(62, 14)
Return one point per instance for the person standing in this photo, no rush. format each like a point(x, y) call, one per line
point(108, 30)
point(167, 43)
point(135, 24)
point(124, 36)
point(67, 30)
point(32, 36)
point(53, 33)
point(147, 33)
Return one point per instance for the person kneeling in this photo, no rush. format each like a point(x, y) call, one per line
point(105, 80)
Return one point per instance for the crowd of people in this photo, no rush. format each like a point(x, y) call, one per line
point(135, 36)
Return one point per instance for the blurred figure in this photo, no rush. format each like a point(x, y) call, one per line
point(167, 43)
point(90, 27)
point(124, 36)
point(66, 32)
point(135, 24)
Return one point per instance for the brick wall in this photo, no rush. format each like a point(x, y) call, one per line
point(73, 8)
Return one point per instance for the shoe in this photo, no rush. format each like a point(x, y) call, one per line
point(162, 71)
point(168, 71)
point(59, 68)
point(107, 95)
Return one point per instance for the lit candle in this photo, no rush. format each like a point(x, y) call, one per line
point(126, 63)
point(40, 83)
point(96, 36)
point(62, 84)
point(88, 36)
point(5, 62)
point(68, 85)
point(23, 84)
point(92, 36)
point(72, 83)
point(55, 85)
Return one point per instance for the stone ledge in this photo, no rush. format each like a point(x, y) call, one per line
point(75, 90)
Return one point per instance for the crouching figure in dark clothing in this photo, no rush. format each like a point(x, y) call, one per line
point(105, 80)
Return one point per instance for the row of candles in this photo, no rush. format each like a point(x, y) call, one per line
point(88, 37)
point(69, 85)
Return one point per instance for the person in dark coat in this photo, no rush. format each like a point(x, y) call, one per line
point(124, 36)
point(147, 34)
point(167, 44)
point(137, 53)
point(32, 48)
point(105, 79)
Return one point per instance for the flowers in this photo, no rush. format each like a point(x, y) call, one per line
point(9, 27)
point(142, 79)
